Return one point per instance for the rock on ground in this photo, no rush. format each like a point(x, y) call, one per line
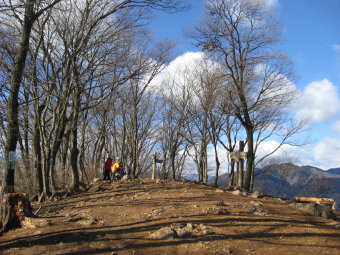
point(313, 209)
point(164, 234)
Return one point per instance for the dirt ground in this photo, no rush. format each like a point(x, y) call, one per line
point(119, 217)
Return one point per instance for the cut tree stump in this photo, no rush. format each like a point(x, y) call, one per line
point(15, 207)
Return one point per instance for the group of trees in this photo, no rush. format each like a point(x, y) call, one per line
point(82, 81)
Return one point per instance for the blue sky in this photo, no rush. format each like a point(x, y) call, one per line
point(311, 38)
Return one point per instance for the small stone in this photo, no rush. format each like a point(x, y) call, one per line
point(189, 227)
point(164, 234)
point(221, 211)
point(82, 218)
point(256, 203)
point(177, 225)
point(228, 251)
point(125, 178)
point(257, 211)
point(32, 223)
point(217, 211)
point(158, 211)
point(183, 232)
point(236, 192)
point(255, 194)
point(220, 203)
point(95, 180)
point(95, 188)
point(207, 232)
point(203, 227)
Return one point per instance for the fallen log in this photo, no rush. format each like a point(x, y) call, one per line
point(327, 201)
point(15, 207)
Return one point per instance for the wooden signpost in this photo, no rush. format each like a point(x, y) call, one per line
point(239, 157)
point(155, 161)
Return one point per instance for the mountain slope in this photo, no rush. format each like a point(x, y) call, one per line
point(289, 181)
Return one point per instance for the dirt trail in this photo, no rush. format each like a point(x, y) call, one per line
point(118, 218)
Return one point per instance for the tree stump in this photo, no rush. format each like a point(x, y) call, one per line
point(14, 208)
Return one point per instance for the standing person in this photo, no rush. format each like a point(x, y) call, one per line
point(107, 168)
point(116, 168)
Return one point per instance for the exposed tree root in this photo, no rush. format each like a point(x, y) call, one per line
point(15, 207)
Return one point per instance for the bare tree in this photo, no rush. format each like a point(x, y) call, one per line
point(241, 35)
point(176, 98)
point(138, 102)
point(26, 12)
point(68, 51)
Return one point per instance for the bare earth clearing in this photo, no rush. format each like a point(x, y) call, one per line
point(125, 214)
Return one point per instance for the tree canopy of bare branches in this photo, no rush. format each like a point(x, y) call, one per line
point(242, 36)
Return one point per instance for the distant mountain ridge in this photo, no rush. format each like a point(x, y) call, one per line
point(289, 181)
point(334, 170)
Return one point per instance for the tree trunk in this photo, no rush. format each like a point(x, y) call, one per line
point(13, 98)
point(232, 174)
point(249, 177)
point(172, 160)
point(46, 177)
point(217, 164)
point(203, 164)
point(37, 158)
point(74, 145)
point(74, 162)
point(134, 144)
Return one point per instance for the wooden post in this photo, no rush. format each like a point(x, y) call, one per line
point(154, 166)
point(242, 163)
point(240, 166)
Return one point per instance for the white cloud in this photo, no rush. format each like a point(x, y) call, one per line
point(327, 153)
point(269, 3)
point(323, 155)
point(177, 69)
point(336, 126)
point(183, 72)
point(272, 3)
point(319, 101)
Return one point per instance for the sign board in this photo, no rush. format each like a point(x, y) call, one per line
point(11, 160)
point(159, 161)
point(237, 155)
point(11, 156)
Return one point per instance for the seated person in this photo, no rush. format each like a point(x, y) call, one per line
point(117, 169)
